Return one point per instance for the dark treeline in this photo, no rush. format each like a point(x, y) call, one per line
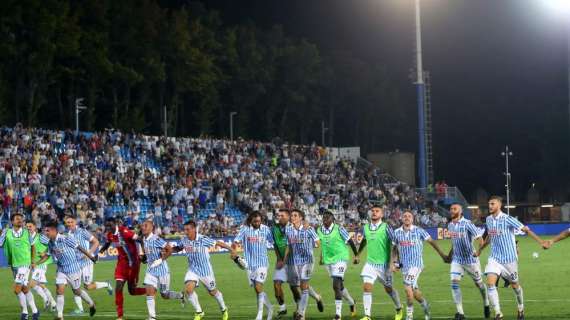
point(130, 58)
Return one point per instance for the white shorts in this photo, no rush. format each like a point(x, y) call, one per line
point(296, 274)
point(39, 274)
point(411, 276)
point(280, 274)
point(372, 272)
point(208, 281)
point(458, 270)
point(509, 270)
point(87, 274)
point(161, 283)
point(259, 275)
point(336, 269)
point(73, 280)
point(21, 275)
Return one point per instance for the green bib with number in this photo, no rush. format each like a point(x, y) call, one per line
point(41, 249)
point(19, 248)
point(333, 246)
point(378, 244)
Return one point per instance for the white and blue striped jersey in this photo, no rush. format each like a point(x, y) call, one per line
point(501, 231)
point(411, 245)
point(63, 251)
point(197, 252)
point(254, 243)
point(462, 234)
point(301, 243)
point(153, 246)
point(82, 237)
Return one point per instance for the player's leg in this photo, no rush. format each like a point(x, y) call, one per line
point(280, 277)
point(119, 297)
point(368, 276)
point(513, 275)
point(411, 277)
point(151, 284)
point(19, 281)
point(294, 283)
point(190, 281)
point(31, 302)
point(336, 271)
point(210, 284)
point(77, 298)
point(34, 285)
point(474, 270)
point(492, 271)
point(90, 284)
point(165, 292)
point(456, 274)
point(74, 281)
point(48, 295)
point(133, 280)
point(60, 291)
point(257, 279)
point(385, 277)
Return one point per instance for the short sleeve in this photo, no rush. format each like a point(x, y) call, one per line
point(513, 223)
point(423, 234)
point(160, 243)
point(43, 239)
point(269, 235)
point(344, 234)
point(473, 230)
point(391, 234)
point(70, 242)
point(240, 235)
point(86, 235)
point(208, 242)
point(3, 237)
point(127, 234)
point(313, 234)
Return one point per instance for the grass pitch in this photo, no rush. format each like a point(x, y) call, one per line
point(545, 280)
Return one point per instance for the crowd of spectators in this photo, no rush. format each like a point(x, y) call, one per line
point(47, 174)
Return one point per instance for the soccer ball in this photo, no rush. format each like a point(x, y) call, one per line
point(535, 255)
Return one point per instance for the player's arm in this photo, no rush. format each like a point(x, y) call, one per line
point(224, 245)
point(437, 248)
point(166, 252)
point(33, 249)
point(142, 254)
point(105, 247)
point(533, 235)
point(483, 244)
point(449, 255)
point(87, 254)
point(563, 235)
point(43, 258)
point(394, 258)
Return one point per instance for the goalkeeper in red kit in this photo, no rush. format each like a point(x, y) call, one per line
point(128, 263)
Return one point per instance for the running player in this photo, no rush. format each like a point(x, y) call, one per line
point(301, 239)
point(334, 255)
point(88, 242)
point(63, 249)
point(157, 273)
point(377, 235)
point(39, 281)
point(254, 238)
point(196, 247)
point(462, 232)
point(21, 254)
point(128, 261)
point(409, 241)
point(503, 260)
point(280, 273)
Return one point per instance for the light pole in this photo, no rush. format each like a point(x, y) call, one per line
point(420, 87)
point(323, 131)
point(232, 114)
point(78, 107)
point(507, 154)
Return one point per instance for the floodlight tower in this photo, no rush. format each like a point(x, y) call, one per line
point(420, 88)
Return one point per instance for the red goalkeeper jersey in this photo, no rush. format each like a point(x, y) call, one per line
point(124, 240)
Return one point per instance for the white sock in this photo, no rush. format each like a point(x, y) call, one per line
point(303, 303)
point(78, 302)
point(494, 299)
point(193, 298)
point(85, 296)
point(31, 302)
point(23, 302)
point(59, 305)
point(314, 294)
point(267, 303)
point(282, 307)
point(410, 311)
point(50, 297)
point(346, 296)
point(457, 298)
point(483, 290)
point(520, 300)
point(260, 298)
point(367, 303)
point(220, 299)
point(425, 305)
point(101, 285)
point(40, 292)
point(338, 307)
point(395, 296)
point(150, 305)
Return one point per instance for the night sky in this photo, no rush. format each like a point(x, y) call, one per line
point(498, 68)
